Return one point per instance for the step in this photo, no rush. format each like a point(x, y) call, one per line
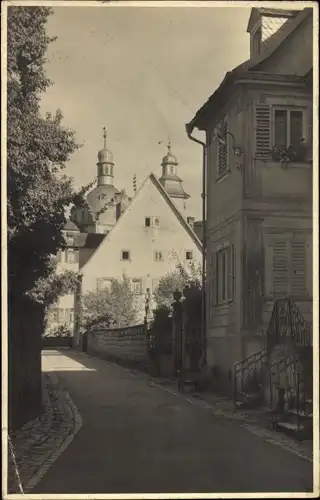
point(290, 426)
point(293, 411)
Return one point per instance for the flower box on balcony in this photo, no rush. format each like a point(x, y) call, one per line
point(292, 154)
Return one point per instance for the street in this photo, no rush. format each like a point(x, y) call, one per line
point(137, 438)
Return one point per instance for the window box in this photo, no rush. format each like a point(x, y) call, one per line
point(292, 154)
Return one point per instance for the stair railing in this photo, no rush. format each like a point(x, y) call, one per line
point(244, 369)
point(287, 321)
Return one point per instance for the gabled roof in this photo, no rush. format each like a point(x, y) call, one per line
point(88, 240)
point(251, 65)
point(260, 11)
point(151, 177)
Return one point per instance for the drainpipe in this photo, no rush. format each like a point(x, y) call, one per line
point(189, 130)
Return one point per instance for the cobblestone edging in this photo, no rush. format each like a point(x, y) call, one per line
point(39, 442)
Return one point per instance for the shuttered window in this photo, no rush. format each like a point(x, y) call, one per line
point(263, 130)
point(280, 268)
point(224, 275)
point(213, 282)
point(298, 268)
point(223, 160)
point(289, 268)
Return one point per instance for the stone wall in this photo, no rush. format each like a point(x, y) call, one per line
point(52, 342)
point(127, 346)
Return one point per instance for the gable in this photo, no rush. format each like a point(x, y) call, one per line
point(294, 55)
point(173, 238)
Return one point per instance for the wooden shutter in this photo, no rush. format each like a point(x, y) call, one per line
point(223, 151)
point(280, 266)
point(230, 283)
point(213, 280)
point(298, 268)
point(263, 130)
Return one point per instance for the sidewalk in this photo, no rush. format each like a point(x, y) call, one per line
point(39, 442)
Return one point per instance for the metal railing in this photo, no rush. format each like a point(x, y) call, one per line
point(247, 371)
point(291, 399)
point(287, 321)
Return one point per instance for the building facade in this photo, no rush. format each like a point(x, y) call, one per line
point(258, 127)
point(148, 241)
point(111, 235)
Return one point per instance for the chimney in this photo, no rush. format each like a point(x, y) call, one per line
point(263, 24)
point(190, 221)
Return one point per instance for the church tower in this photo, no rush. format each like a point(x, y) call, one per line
point(105, 164)
point(172, 183)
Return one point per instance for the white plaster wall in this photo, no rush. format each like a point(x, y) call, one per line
point(130, 234)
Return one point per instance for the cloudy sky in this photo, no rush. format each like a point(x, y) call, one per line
point(142, 72)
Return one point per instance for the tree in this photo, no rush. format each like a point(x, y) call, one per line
point(178, 279)
point(38, 149)
point(115, 304)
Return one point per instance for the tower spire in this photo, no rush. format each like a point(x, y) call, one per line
point(104, 137)
point(169, 145)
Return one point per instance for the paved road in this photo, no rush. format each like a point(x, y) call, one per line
point(137, 438)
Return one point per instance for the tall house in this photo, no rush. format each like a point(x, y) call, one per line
point(258, 127)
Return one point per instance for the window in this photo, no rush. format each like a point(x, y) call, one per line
point(155, 284)
point(69, 316)
point(158, 256)
point(189, 255)
point(55, 315)
point(136, 284)
point(279, 127)
point(152, 222)
point(288, 268)
point(125, 255)
point(223, 160)
point(59, 256)
point(288, 128)
point(70, 240)
point(70, 256)
point(103, 283)
point(61, 316)
point(222, 270)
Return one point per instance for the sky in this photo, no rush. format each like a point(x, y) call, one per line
point(142, 72)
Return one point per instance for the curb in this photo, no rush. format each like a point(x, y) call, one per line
point(40, 442)
point(54, 455)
